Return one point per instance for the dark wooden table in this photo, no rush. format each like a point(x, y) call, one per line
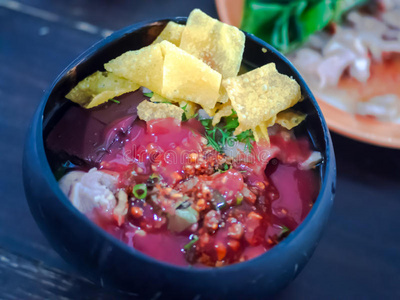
point(358, 256)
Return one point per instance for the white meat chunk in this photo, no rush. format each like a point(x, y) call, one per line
point(86, 191)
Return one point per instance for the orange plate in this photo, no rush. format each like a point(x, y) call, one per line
point(360, 128)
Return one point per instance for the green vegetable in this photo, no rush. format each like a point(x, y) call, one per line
point(226, 167)
point(140, 191)
point(193, 240)
point(218, 136)
point(285, 231)
point(184, 115)
point(114, 100)
point(246, 137)
point(239, 199)
point(148, 94)
point(286, 24)
point(155, 176)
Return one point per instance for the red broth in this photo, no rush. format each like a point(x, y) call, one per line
point(263, 197)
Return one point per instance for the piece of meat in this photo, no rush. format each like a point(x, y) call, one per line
point(91, 190)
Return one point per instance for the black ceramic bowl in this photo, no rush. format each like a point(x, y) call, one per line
point(109, 261)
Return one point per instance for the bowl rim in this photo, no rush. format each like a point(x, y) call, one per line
point(328, 175)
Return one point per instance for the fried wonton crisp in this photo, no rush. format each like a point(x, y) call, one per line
point(170, 72)
point(223, 110)
point(171, 33)
point(188, 78)
point(143, 66)
point(158, 98)
point(189, 108)
point(259, 95)
point(290, 118)
point(98, 88)
point(217, 44)
point(149, 111)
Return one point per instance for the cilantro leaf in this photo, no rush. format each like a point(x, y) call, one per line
point(114, 100)
point(220, 135)
point(246, 137)
point(148, 94)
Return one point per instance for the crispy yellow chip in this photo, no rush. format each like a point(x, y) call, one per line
point(289, 118)
point(223, 110)
point(158, 98)
point(99, 88)
point(170, 72)
point(149, 111)
point(259, 95)
point(261, 131)
point(144, 67)
point(171, 33)
point(210, 111)
point(189, 108)
point(223, 96)
point(188, 78)
point(217, 44)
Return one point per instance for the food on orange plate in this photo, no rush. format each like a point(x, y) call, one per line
point(200, 166)
point(355, 66)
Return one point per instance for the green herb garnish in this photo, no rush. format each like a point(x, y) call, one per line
point(218, 136)
point(114, 100)
point(246, 137)
point(194, 239)
point(149, 94)
point(225, 167)
point(166, 101)
point(185, 114)
point(140, 191)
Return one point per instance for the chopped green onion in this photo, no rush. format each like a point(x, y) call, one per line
point(148, 94)
point(239, 199)
point(194, 239)
point(114, 100)
point(155, 175)
point(140, 191)
point(226, 168)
